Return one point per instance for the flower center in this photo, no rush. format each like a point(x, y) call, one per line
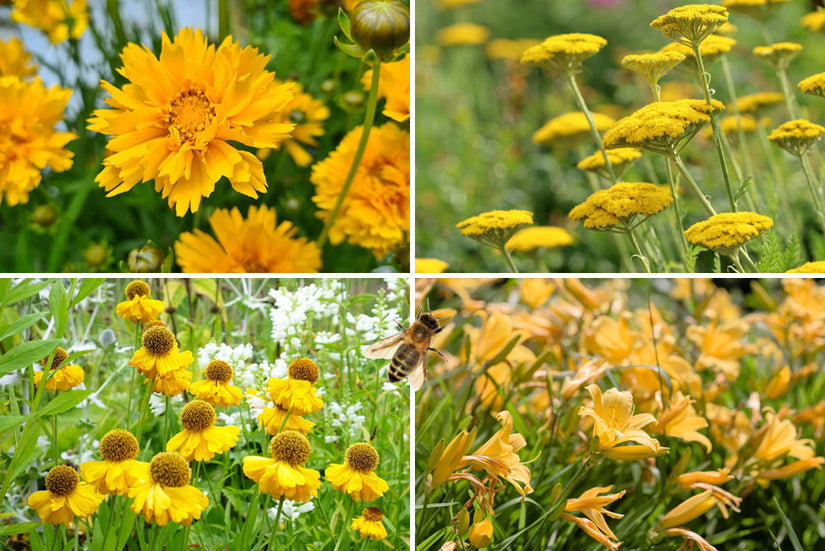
point(362, 457)
point(218, 370)
point(154, 323)
point(189, 114)
point(170, 469)
point(303, 369)
point(373, 514)
point(158, 340)
point(197, 415)
point(137, 289)
point(62, 480)
point(119, 445)
point(291, 447)
point(60, 356)
point(252, 266)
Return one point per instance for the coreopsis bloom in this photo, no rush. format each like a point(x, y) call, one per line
point(724, 233)
point(496, 227)
point(620, 204)
point(63, 378)
point(692, 23)
point(535, 237)
point(59, 19)
point(200, 439)
point(653, 66)
point(296, 393)
point(166, 494)
point(160, 353)
point(308, 114)
point(564, 52)
point(370, 524)
point(615, 424)
point(15, 60)
point(430, 266)
point(394, 86)
point(255, 244)
point(567, 131)
point(796, 137)
point(816, 267)
point(119, 471)
point(29, 113)
point(778, 55)
point(216, 388)
point(139, 305)
point(481, 533)
point(174, 121)
point(760, 10)
point(757, 103)
point(65, 497)
point(375, 214)
point(592, 505)
point(283, 475)
point(462, 34)
point(680, 420)
point(356, 477)
point(620, 158)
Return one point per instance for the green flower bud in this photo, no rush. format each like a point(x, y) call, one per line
point(96, 255)
point(44, 215)
point(147, 259)
point(380, 25)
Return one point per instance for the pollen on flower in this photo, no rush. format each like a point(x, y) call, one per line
point(303, 369)
point(197, 415)
point(188, 116)
point(158, 340)
point(119, 445)
point(218, 370)
point(170, 469)
point(291, 447)
point(372, 514)
point(62, 480)
point(137, 289)
point(362, 457)
point(60, 356)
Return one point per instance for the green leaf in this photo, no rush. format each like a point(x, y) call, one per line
point(35, 541)
point(343, 22)
point(59, 306)
point(88, 287)
point(63, 402)
point(21, 324)
point(11, 529)
point(504, 352)
point(352, 50)
point(25, 290)
point(4, 288)
point(788, 526)
point(8, 421)
point(26, 354)
point(25, 454)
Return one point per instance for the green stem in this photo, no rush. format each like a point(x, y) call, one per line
point(574, 87)
point(344, 529)
point(276, 525)
point(223, 20)
point(812, 188)
point(694, 186)
point(420, 524)
point(635, 243)
point(677, 210)
point(372, 101)
point(144, 407)
point(509, 259)
point(54, 437)
point(138, 334)
point(736, 262)
point(740, 132)
point(790, 101)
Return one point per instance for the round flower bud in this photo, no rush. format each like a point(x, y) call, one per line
point(380, 25)
point(44, 215)
point(147, 259)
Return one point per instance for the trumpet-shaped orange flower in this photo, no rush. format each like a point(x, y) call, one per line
point(592, 505)
point(693, 507)
point(680, 420)
point(721, 347)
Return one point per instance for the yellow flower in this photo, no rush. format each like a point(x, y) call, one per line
point(65, 497)
point(592, 530)
point(63, 378)
point(712, 48)
point(59, 19)
point(370, 524)
point(200, 439)
point(568, 130)
point(160, 353)
point(215, 388)
point(536, 237)
point(502, 48)
point(814, 21)
point(680, 420)
point(283, 475)
point(779, 383)
point(461, 34)
point(620, 203)
point(255, 244)
point(296, 393)
point(592, 505)
point(758, 9)
point(731, 125)
point(620, 158)
point(778, 55)
point(758, 102)
point(119, 471)
point(15, 60)
point(721, 346)
point(376, 213)
point(653, 66)
point(481, 533)
point(172, 382)
point(691, 23)
point(780, 440)
point(29, 143)
point(139, 306)
point(688, 510)
point(273, 419)
point(564, 52)
point(724, 233)
point(174, 121)
point(814, 85)
point(792, 469)
point(308, 115)
point(166, 494)
point(690, 481)
point(815, 267)
point(356, 477)
point(495, 227)
point(797, 136)
point(445, 464)
point(615, 424)
point(430, 266)
point(394, 86)
point(448, 4)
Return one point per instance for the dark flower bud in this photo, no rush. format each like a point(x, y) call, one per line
point(380, 25)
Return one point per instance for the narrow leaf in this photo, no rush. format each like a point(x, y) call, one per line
point(26, 354)
point(21, 324)
point(88, 287)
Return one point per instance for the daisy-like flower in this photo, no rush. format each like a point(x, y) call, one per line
point(59, 19)
point(166, 494)
point(255, 244)
point(119, 471)
point(160, 353)
point(394, 86)
point(139, 305)
point(29, 113)
point(65, 497)
point(15, 60)
point(200, 439)
point(63, 378)
point(276, 417)
point(375, 214)
point(308, 114)
point(215, 388)
point(296, 393)
point(174, 121)
point(356, 477)
point(370, 524)
point(283, 475)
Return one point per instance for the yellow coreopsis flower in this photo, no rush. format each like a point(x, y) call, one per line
point(296, 393)
point(356, 476)
point(65, 497)
point(370, 524)
point(174, 121)
point(63, 378)
point(200, 439)
point(159, 354)
point(15, 60)
point(59, 19)
point(592, 505)
point(216, 388)
point(283, 474)
point(308, 114)
point(139, 305)
point(119, 471)
point(166, 494)
point(394, 86)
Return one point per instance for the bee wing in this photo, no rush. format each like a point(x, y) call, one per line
point(417, 375)
point(385, 348)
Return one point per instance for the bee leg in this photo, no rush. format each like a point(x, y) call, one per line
point(401, 326)
point(431, 349)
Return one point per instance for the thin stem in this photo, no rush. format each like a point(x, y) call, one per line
point(812, 188)
point(571, 80)
point(276, 525)
point(790, 101)
point(635, 243)
point(420, 524)
point(677, 210)
point(54, 437)
point(701, 196)
point(736, 262)
point(372, 101)
point(509, 259)
point(740, 132)
point(223, 20)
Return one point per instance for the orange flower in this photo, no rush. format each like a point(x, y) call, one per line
point(721, 347)
point(591, 504)
point(680, 420)
point(394, 85)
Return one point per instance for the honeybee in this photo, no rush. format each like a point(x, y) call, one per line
point(408, 350)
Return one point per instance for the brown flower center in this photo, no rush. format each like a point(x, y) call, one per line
point(197, 415)
point(291, 447)
point(62, 480)
point(170, 469)
point(189, 114)
point(158, 340)
point(373, 514)
point(218, 370)
point(60, 356)
point(137, 288)
point(119, 445)
point(154, 323)
point(362, 457)
point(303, 369)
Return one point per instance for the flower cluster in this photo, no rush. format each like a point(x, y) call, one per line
point(725, 233)
point(620, 203)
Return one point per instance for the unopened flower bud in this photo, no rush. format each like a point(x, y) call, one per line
point(381, 25)
point(148, 258)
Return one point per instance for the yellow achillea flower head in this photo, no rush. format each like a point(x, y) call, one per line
point(376, 212)
point(778, 55)
point(621, 159)
point(569, 129)
point(29, 143)
point(63, 378)
point(564, 52)
point(620, 203)
point(255, 244)
point(495, 227)
point(814, 21)
point(356, 477)
point(814, 85)
point(283, 474)
point(758, 9)
point(370, 524)
point(724, 233)
point(463, 34)
point(59, 19)
point(159, 354)
point(536, 237)
point(503, 48)
point(394, 86)
point(731, 126)
point(200, 439)
point(15, 61)
point(797, 136)
point(139, 307)
point(119, 471)
point(174, 120)
point(216, 388)
point(430, 266)
point(758, 102)
point(663, 127)
point(65, 497)
point(712, 48)
point(592, 505)
point(816, 267)
point(653, 66)
point(692, 23)
point(308, 115)
point(166, 493)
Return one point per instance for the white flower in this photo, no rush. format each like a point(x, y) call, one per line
point(390, 387)
point(157, 403)
point(289, 511)
point(257, 404)
point(349, 419)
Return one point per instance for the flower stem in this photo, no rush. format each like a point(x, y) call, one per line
point(144, 406)
point(372, 101)
point(574, 87)
point(276, 525)
point(54, 437)
point(790, 101)
point(509, 259)
point(812, 187)
point(701, 196)
point(740, 131)
point(635, 243)
point(132, 381)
